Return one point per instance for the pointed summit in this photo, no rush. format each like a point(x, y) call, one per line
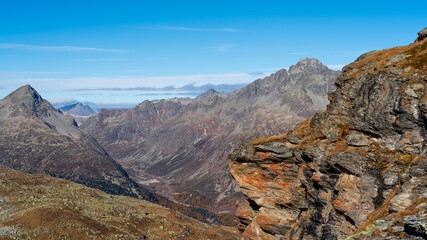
point(207, 94)
point(78, 109)
point(25, 94)
point(25, 102)
point(308, 64)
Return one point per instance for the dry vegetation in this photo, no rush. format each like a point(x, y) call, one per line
point(42, 207)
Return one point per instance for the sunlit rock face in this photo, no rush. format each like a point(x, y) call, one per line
point(357, 169)
point(181, 149)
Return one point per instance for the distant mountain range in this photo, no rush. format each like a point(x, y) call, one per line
point(181, 149)
point(78, 109)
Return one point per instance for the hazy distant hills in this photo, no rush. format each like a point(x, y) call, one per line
point(78, 109)
point(80, 112)
point(182, 150)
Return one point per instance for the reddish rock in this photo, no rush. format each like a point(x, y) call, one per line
point(359, 165)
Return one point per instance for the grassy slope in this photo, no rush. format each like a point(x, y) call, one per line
point(43, 207)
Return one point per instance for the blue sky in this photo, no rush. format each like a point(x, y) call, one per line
point(119, 52)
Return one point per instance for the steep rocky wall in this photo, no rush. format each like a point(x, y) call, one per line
point(357, 169)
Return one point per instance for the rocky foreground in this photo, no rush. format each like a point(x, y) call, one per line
point(43, 207)
point(357, 170)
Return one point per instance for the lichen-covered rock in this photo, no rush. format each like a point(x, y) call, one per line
point(358, 169)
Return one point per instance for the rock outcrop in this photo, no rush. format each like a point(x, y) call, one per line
point(422, 35)
point(356, 170)
point(182, 150)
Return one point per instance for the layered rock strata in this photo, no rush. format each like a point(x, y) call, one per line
point(357, 170)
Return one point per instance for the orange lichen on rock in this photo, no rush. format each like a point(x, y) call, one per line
point(352, 166)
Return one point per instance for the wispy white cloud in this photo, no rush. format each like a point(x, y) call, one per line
point(179, 28)
point(58, 48)
point(121, 59)
point(62, 100)
point(336, 67)
point(134, 70)
point(104, 60)
point(32, 73)
point(223, 48)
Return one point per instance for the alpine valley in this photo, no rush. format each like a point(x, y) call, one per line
point(180, 149)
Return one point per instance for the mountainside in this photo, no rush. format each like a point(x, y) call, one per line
point(43, 207)
point(182, 150)
point(357, 170)
point(36, 138)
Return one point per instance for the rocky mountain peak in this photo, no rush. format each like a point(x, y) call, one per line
point(25, 102)
point(282, 74)
point(26, 95)
point(207, 94)
point(78, 109)
point(307, 64)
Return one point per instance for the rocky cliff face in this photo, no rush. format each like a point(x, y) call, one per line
point(182, 150)
point(357, 170)
point(36, 138)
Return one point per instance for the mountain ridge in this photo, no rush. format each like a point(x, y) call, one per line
point(186, 146)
